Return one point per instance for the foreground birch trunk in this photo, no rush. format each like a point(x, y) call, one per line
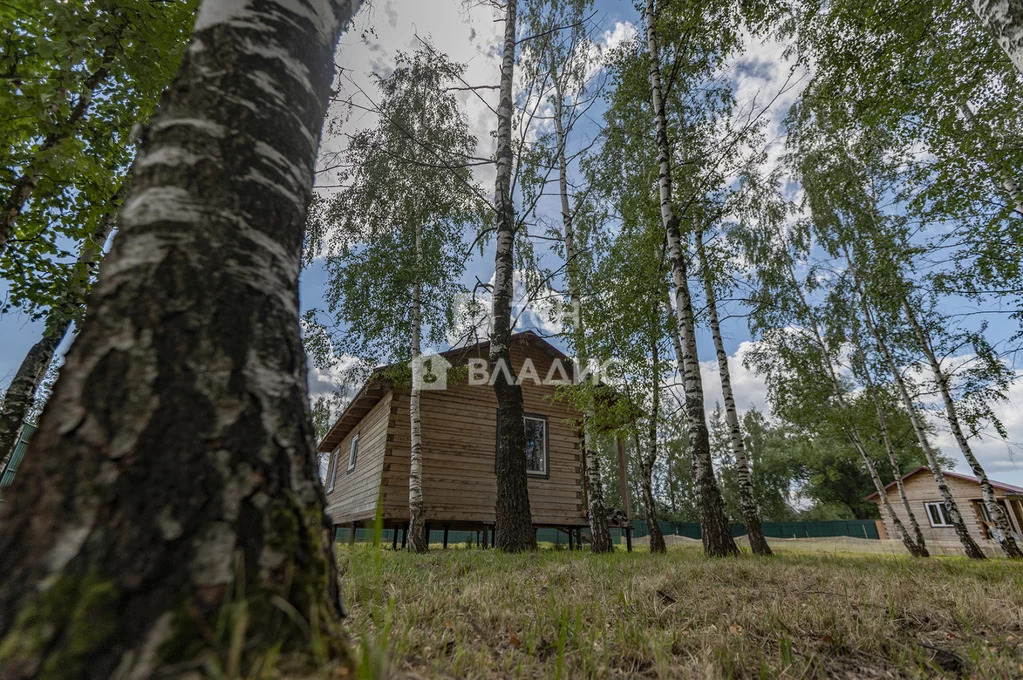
point(649, 458)
point(747, 499)
point(1005, 540)
point(21, 392)
point(418, 541)
point(716, 530)
point(513, 521)
point(851, 431)
point(171, 489)
point(600, 533)
point(1003, 19)
point(973, 551)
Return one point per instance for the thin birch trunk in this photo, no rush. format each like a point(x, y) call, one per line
point(747, 499)
point(951, 507)
point(418, 541)
point(716, 530)
point(600, 533)
point(1009, 183)
point(649, 458)
point(21, 392)
point(882, 421)
point(513, 521)
point(1003, 19)
point(1006, 540)
point(851, 431)
point(26, 184)
point(171, 488)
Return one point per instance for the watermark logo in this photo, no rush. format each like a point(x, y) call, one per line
point(430, 372)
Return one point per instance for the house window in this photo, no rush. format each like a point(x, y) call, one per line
point(938, 515)
point(536, 445)
point(353, 453)
point(331, 471)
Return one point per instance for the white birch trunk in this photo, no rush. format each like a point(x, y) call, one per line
point(1003, 19)
point(418, 541)
point(747, 499)
point(1012, 190)
point(600, 533)
point(21, 393)
point(1006, 540)
point(851, 431)
point(174, 466)
point(951, 507)
point(513, 520)
point(717, 537)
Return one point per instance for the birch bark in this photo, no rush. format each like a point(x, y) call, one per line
point(418, 541)
point(747, 499)
point(600, 533)
point(882, 422)
point(649, 457)
point(1003, 19)
point(513, 521)
point(716, 530)
point(951, 507)
point(174, 469)
point(1005, 540)
point(852, 432)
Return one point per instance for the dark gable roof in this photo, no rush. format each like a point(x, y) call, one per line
point(377, 386)
point(955, 475)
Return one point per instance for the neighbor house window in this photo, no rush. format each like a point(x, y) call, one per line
point(536, 445)
point(938, 515)
point(331, 471)
point(353, 453)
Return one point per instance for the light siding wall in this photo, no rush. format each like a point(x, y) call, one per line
point(355, 493)
point(459, 446)
point(921, 489)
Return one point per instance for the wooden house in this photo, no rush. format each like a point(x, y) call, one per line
point(370, 446)
point(926, 503)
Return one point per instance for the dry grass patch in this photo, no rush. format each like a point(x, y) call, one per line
point(560, 614)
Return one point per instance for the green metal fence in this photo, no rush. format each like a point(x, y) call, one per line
point(365, 535)
point(857, 528)
point(7, 478)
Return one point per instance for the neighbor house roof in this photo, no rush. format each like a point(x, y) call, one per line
point(966, 478)
point(377, 386)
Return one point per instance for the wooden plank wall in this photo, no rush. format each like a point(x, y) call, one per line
point(355, 493)
point(459, 446)
point(921, 489)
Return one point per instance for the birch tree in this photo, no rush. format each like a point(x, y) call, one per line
point(561, 53)
point(394, 235)
point(68, 310)
point(171, 489)
point(716, 530)
point(1004, 20)
point(513, 521)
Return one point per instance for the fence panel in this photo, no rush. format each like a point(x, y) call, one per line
point(857, 528)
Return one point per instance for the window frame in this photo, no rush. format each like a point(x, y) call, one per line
point(942, 510)
point(332, 470)
point(546, 472)
point(353, 453)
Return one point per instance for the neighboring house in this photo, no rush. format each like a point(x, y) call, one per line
point(8, 473)
point(927, 506)
point(370, 447)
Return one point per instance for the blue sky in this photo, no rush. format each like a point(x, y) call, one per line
point(472, 37)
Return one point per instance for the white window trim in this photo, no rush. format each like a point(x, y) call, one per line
point(331, 471)
point(543, 472)
point(941, 511)
point(353, 452)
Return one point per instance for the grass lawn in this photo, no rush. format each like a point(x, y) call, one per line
point(471, 613)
